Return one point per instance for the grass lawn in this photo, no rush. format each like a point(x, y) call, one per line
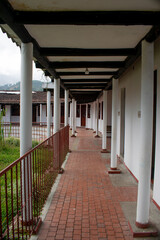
point(9, 152)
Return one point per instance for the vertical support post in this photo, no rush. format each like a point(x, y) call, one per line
point(26, 125)
point(60, 112)
point(48, 114)
point(59, 124)
point(41, 111)
point(113, 168)
point(66, 107)
point(104, 133)
point(56, 105)
point(73, 117)
point(26, 98)
point(97, 119)
point(143, 201)
point(75, 112)
point(94, 117)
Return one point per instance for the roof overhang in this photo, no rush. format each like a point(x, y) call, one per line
point(70, 37)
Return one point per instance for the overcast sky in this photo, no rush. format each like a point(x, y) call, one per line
point(10, 62)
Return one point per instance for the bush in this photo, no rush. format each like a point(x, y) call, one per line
point(13, 141)
point(34, 143)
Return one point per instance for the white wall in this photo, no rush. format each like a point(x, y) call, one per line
point(131, 81)
point(78, 122)
point(15, 119)
point(44, 117)
point(7, 117)
point(109, 107)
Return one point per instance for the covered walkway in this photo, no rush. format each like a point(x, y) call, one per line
point(88, 202)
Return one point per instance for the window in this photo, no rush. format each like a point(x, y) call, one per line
point(78, 111)
point(15, 110)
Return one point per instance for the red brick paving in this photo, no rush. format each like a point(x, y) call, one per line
point(86, 206)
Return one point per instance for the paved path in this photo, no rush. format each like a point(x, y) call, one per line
point(86, 204)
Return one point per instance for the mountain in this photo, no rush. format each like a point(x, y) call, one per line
point(36, 86)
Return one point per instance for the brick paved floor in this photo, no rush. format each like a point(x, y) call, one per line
point(86, 205)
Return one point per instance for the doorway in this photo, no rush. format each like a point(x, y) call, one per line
point(34, 113)
point(83, 115)
point(62, 112)
point(154, 125)
point(122, 122)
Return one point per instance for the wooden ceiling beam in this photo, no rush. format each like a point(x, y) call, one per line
point(87, 17)
point(103, 73)
point(76, 86)
point(65, 81)
point(86, 52)
point(86, 64)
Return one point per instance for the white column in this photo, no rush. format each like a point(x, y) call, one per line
point(60, 108)
point(73, 117)
point(97, 117)
point(70, 114)
point(104, 133)
point(75, 112)
point(66, 107)
point(94, 116)
point(48, 114)
point(114, 124)
point(86, 115)
point(26, 98)
point(59, 122)
point(143, 201)
point(56, 105)
point(26, 124)
point(41, 112)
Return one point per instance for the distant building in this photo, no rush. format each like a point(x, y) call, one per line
point(10, 101)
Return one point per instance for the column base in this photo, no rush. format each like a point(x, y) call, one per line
point(61, 171)
point(105, 151)
point(97, 136)
point(142, 225)
point(114, 171)
point(87, 128)
point(94, 131)
point(36, 228)
point(73, 135)
point(28, 223)
point(139, 230)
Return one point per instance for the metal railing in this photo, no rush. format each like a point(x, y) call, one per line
point(26, 183)
point(39, 130)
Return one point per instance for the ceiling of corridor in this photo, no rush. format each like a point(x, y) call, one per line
point(72, 36)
